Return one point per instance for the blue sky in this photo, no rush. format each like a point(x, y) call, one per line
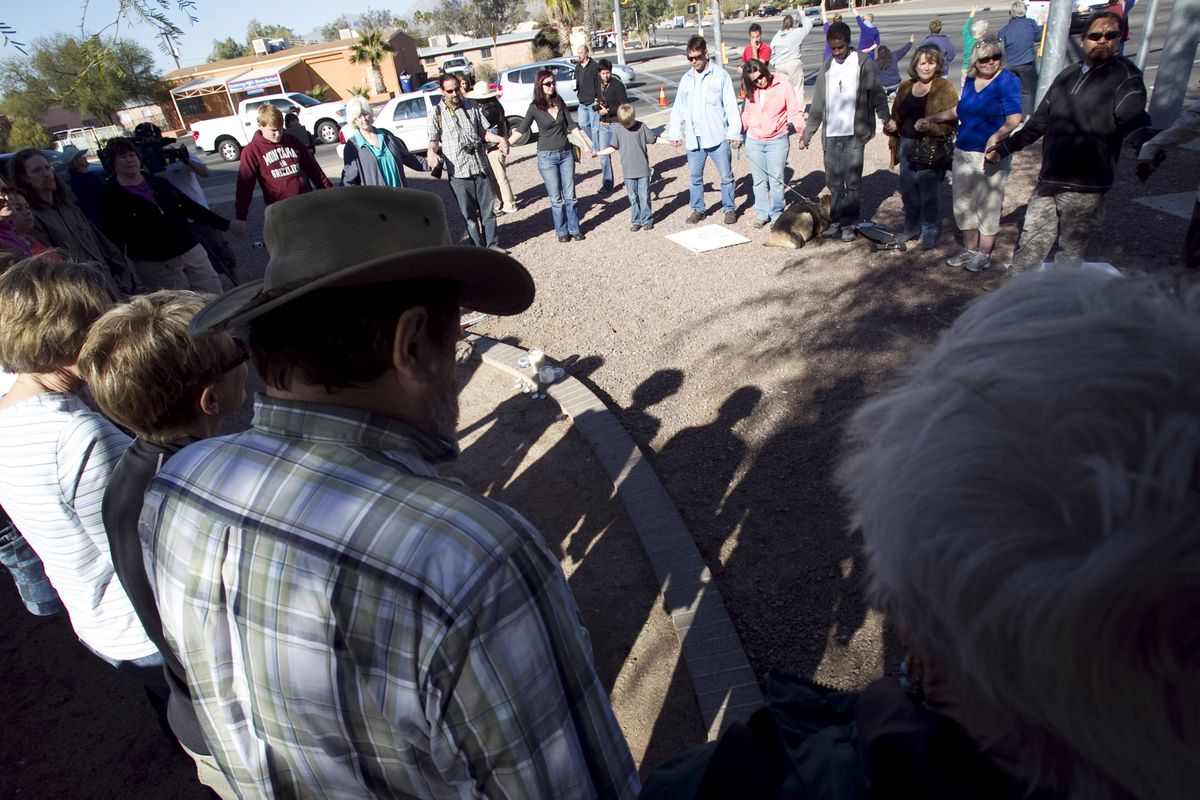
point(216, 19)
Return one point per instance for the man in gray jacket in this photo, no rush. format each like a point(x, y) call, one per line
point(845, 94)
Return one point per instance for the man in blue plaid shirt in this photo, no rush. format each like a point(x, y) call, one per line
point(352, 624)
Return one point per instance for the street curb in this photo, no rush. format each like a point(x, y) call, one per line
point(725, 686)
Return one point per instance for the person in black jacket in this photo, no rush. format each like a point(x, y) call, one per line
point(146, 217)
point(374, 156)
point(170, 389)
point(1083, 119)
point(612, 96)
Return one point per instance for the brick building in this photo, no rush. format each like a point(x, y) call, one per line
point(214, 90)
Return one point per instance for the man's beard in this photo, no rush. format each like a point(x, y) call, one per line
point(443, 410)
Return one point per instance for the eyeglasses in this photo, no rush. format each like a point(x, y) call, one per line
point(987, 59)
point(450, 91)
point(698, 57)
point(1107, 36)
point(547, 83)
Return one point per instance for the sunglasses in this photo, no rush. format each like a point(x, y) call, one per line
point(547, 83)
point(1107, 36)
point(987, 59)
point(700, 57)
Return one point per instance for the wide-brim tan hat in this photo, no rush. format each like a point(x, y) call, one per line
point(480, 91)
point(360, 235)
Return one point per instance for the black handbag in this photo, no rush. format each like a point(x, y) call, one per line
point(932, 152)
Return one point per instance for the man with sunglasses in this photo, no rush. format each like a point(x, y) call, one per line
point(1083, 119)
point(457, 130)
point(705, 119)
point(148, 375)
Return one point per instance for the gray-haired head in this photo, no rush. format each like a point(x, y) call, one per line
point(1017, 9)
point(356, 106)
point(1029, 499)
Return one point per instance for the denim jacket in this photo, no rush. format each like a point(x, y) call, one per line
point(721, 120)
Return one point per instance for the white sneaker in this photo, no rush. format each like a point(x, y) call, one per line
point(958, 259)
point(978, 262)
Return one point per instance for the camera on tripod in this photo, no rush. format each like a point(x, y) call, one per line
point(154, 149)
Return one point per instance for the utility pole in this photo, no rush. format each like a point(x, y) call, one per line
point(619, 31)
point(1148, 26)
point(717, 32)
point(1058, 34)
point(174, 51)
point(1175, 64)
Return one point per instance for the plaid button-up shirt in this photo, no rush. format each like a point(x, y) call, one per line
point(355, 626)
point(461, 133)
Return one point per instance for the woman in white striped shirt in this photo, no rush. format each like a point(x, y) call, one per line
point(56, 454)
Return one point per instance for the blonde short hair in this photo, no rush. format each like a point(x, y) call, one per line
point(144, 370)
point(46, 308)
point(626, 115)
point(269, 116)
point(984, 46)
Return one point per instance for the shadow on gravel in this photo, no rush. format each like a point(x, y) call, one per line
point(767, 518)
point(564, 492)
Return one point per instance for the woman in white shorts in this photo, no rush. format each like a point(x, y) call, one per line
point(988, 110)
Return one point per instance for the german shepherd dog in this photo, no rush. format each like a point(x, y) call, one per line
point(800, 222)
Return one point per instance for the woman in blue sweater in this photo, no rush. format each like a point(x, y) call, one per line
point(988, 110)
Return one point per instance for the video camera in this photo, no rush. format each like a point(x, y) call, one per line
point(154, 149)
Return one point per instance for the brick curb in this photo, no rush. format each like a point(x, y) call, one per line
point(726, 688)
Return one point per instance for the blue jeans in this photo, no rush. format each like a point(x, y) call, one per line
point(721, 159)
point(589, 120)
point(639, 200)
point(36, 592)
point(606, 136)
point(558, 171)
point(768, 160)
point(921, 190)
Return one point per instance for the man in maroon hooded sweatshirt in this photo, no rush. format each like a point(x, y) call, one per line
point(277, 162)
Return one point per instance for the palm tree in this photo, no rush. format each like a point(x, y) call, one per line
point(564, 13)
point(371, 48)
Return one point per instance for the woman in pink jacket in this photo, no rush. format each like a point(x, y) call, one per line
point(771, 114)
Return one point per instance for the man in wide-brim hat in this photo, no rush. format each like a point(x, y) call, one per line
point(505, 202)
point(353, 624)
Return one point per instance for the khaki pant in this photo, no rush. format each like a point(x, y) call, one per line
point(210, 775)
point(500, 186)
point(1069, 217)
point(191, 270)
point(793, 73)
point(979, 192)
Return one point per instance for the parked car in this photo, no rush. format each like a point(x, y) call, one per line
point(623, 71)
point(404, 115)
point(461, 66)
point(1082, 12)
point(768, 11)
point(228, 135)
point(515, 86)
point(56, 159)
point(434, 85)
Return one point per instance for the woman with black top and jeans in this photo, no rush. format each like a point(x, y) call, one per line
point(556, 162)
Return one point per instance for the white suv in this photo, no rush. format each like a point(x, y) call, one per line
point(516, 86)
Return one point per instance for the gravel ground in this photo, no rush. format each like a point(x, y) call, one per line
point(736, 370)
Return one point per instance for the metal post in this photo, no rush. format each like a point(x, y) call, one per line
point(620, 32)
point(1148, 27)
point(1058, 34)
point(1175, 64)
point(717, 30)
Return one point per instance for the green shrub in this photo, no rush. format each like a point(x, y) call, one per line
point(28, 132)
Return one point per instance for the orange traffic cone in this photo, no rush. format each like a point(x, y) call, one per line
point(662, 96)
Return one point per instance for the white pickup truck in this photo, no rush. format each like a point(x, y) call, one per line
point(228, 135)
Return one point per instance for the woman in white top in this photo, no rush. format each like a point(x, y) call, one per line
point(56, 454)
point(785, 52)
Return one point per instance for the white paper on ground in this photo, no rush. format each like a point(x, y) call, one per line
point(706, 238)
